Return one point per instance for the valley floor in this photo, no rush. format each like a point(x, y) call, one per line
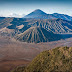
point(14, 53)
point(6, 66)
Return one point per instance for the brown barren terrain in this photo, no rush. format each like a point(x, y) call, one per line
point(6, 66)
point(14, 53)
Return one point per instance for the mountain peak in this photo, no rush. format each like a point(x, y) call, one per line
point(36, 14)
point(55, 13)
point(38, 10)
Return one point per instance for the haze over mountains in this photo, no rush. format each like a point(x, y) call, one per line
point(17, 15)
point(38, 22)
point(39, 14)
point(13, 15)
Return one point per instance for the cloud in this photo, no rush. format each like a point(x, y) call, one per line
point(17, 15)
point(13, 15)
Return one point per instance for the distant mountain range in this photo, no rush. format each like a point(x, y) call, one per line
point(36, 26)
point(1, 18)
point(38, 14)
point(56, 26)
point(52, 25)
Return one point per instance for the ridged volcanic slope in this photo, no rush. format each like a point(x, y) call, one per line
point(37, 34)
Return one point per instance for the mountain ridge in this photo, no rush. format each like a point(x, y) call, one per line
point(19, 25)
point(36, 35)
point(39, 14)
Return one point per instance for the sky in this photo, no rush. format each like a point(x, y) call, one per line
point(9, 7)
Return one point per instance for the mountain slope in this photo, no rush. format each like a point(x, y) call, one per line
point(19, 25)
point(13, 26)
point(5, 22)
point(55, 60)
point(1, 18)
point(54, 25)
point(37, 34)
point(62, 16)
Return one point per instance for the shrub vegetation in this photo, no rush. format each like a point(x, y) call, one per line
point(55, 60)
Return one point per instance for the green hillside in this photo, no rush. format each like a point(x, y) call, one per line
point(55, 60)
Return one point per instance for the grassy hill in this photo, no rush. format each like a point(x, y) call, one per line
point(55, 60)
